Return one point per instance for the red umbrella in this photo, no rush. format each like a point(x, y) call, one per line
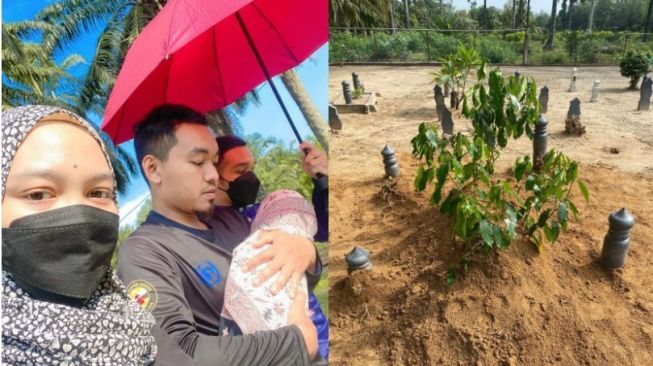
point(207, 53)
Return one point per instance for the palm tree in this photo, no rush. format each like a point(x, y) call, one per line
point(122, 20)
point(306, 106)
point(552, 26)
point(358, 13)
point(648, 25)
point(33, 76)
point(570, 13)
point(590, 21)
point(407, 10)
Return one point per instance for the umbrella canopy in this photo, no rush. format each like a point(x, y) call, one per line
point(196, 53)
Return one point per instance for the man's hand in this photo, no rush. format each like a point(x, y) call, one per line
point(298, 315)
point(314, 161)
point(289, 254)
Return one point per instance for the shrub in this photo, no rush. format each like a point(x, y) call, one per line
point(554, 57)
point(634, 66)
point(490, 211)
point(495, 51)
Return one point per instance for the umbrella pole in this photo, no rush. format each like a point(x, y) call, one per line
point(267, 75)
point(322, 180)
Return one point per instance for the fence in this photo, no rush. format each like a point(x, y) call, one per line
point(497, 46)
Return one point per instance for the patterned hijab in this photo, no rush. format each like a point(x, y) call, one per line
point(108, 328)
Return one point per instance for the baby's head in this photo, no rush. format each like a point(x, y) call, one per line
point(283, 209)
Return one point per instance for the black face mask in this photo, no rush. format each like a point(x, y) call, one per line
point(244, 189)
point(65, 252)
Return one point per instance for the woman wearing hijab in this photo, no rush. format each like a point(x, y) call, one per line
point(61, 302)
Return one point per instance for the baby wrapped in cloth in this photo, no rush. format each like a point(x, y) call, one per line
point(255, 308)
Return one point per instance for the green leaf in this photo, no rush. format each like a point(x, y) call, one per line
point(449, 205)
point(573, 209)
point(555, 231)
point(486, 232)
point(520, 168)
point(530, 182)
point(451, 276)
point(420, 182)
point(583, 190)
point(437, 194)
point(548, 233)
point(543, 217)
point(442, 171)
point(499, 237)
point(461, 223)
point(562, 212)
point(468, 170)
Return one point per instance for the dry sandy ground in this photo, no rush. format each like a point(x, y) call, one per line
point(516, 307)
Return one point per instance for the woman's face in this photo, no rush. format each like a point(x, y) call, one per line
point(59, 164)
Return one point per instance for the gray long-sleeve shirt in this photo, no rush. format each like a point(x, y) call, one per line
point(180, 278)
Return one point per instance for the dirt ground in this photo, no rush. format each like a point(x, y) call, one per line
point(516, 307)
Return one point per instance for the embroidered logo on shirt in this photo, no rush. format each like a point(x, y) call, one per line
point(143, 293)
point(209, 273)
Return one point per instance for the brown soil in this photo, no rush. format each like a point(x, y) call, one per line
point(514, 307)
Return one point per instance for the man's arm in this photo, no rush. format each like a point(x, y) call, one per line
point(141, 259)
point(320, 199)
point(314, 161)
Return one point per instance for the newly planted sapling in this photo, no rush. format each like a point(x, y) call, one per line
point(456, 68)
point(489, 211)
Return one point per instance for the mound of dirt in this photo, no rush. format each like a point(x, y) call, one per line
point(510, 308)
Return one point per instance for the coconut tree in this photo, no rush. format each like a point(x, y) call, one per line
point(590, 21)
point(358, 13)
point(648, 25)
point(306, 106)
point(552, 26)
point(32, 75)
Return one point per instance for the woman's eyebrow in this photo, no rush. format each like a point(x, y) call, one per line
point(57, 177)
point(41, 173)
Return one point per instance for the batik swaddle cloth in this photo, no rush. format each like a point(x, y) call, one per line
point(255, 308)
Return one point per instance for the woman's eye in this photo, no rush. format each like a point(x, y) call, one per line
point(198, 163)
point(39, 196)
point(101, 194)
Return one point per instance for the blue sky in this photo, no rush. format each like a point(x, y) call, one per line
point(266, 118)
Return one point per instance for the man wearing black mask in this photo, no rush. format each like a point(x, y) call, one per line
point(238, 189)
point(235, 207)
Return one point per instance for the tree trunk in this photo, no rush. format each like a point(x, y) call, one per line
point(407, 14)
point(633, 82)
point(528, 13)
point(590, 22)
point(552, 26)
point(392, 16)
point(485, 22)
point(570, 13)
point(514, 14)
point(313, 117)
point(648, 26)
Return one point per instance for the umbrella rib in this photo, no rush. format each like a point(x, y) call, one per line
point(165, 89)
point(217, 62)
point(288, 48)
